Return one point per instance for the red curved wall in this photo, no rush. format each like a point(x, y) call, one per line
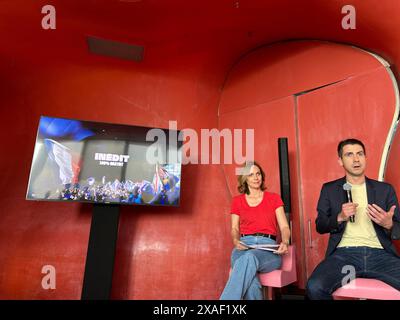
point(315, 94)
point(392, 174)
point(190, 47)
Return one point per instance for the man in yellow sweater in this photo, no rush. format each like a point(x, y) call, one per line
point(360, 231)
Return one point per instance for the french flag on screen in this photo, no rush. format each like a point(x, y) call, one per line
point(61, 155)
point(157, 183)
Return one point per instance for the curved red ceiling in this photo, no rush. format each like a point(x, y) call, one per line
point(220, 30)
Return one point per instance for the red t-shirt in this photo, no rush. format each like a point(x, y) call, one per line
point(261, 218)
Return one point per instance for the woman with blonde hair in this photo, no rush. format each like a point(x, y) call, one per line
point(255, 216)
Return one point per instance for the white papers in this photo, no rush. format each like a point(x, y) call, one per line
point(267, 247)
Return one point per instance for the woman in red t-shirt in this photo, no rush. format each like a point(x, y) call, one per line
point(255, 215)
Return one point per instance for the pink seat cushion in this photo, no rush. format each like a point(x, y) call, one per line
point(367, 289)
point(283, 276)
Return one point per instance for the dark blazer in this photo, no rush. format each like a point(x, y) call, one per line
point(330, 205)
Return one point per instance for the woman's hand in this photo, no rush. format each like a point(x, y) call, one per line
point(283, 249)
point(240, 246)
point(285, 231)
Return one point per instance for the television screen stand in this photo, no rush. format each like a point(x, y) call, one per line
point(99, 265)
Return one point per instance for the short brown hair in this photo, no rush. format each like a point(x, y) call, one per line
point(243, 187)
point(346, 142)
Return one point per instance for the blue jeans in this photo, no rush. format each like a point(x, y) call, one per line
point(243, 282)
point(366, 262)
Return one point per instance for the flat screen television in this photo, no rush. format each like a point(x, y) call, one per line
point(99, 162)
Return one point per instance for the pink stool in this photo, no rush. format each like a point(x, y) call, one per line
point(361, 288)
point(283, 276)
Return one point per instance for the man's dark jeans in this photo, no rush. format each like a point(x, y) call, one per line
point(337, 270)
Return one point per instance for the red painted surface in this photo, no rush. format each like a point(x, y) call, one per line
point(392, 174)
point(356, 99)
point(362, 107)
point(270, 121)
point(290, 68)
point(153, 244)
point(189, 50)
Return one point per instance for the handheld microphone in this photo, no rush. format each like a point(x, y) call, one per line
point(347, 188)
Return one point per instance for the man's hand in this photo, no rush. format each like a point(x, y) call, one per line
point(380, 216)
point(348, 209)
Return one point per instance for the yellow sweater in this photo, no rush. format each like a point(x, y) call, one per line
point(361, 232)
